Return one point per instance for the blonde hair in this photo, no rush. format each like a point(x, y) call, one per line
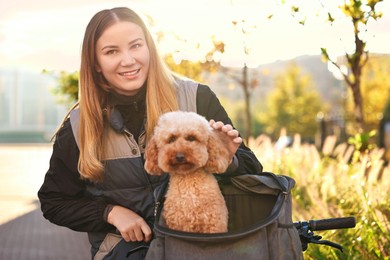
point(93, 94)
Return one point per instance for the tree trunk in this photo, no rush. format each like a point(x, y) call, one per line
point(357, 61)
point(248, 114)
point(358, 108)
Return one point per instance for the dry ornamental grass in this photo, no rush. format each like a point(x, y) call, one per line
point(332, 183)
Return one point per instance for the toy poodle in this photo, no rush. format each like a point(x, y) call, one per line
point(186, 147)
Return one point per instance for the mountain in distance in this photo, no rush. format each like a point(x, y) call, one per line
point(330, 88)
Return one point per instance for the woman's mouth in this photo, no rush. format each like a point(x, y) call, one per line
point(129, 73)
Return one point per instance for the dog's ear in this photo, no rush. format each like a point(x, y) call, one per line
point(151, 158)
point(219, 159)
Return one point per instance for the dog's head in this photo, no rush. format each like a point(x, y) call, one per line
point(184, 142)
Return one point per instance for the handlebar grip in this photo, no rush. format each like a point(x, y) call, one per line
point(332, 223)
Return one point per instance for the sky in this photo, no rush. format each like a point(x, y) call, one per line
point(47, 34)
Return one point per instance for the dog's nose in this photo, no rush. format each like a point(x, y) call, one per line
point(180, 157)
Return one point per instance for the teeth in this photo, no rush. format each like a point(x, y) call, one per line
point(129, 73)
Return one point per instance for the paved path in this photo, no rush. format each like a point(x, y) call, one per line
point(24, 233)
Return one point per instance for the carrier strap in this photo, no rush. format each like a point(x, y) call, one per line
point(263, 183)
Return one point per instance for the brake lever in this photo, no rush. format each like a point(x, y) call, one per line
point(317, 240)
point(309, 237)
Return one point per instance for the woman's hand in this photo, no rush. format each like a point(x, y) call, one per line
point(233, 139)
point(131, 226)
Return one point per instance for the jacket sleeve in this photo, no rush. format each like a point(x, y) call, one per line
point(209, 106)
point(63, 196)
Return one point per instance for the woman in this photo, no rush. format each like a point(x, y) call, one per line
point(96, 182)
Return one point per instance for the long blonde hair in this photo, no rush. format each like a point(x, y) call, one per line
point(93, 94)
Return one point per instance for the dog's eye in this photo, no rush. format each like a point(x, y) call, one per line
point(191, 138)
point(171, 139)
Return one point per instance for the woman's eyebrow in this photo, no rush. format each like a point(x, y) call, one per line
point(109, 47)
point(135, 40)
point(115, 46)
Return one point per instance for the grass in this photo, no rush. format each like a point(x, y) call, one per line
point(334, 183)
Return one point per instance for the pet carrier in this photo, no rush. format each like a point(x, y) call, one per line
point(260, 224)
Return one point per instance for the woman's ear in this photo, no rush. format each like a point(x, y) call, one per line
point(219, 159)
point(151, 158)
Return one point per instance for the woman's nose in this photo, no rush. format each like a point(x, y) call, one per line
point(127, 59)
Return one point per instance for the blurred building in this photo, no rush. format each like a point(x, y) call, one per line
point(29, 111)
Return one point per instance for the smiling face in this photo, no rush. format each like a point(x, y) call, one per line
point(123, 57)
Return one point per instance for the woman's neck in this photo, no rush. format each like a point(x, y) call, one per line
point(118, 99)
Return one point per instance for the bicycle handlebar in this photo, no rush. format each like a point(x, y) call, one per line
point(327, 224)
point(306, 228)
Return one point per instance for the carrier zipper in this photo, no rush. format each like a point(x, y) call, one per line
point(156, 206)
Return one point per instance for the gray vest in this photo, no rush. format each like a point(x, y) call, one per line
point(126, 183)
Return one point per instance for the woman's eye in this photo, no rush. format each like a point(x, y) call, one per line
point(110, 52)
point(136, 46)
point(191, 138)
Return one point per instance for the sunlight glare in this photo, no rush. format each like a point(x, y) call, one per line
point(255, 32)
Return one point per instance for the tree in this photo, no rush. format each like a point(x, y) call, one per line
point(67, 89)
point(186, 68)
point(247, 85)
point(293, 104)
point(194, 69)
point(359, 12)
point(375, 86)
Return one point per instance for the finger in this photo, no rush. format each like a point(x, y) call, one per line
point(147, 232)
point(227, 128)
point(138, 235)
point(233, 133)
point(126, 237)
point(218, 125)
point(131, 235)
point(211, 121)
point(237, 140)
point(138, 230)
